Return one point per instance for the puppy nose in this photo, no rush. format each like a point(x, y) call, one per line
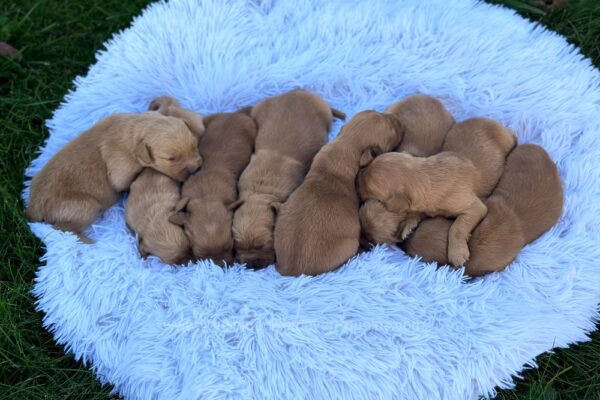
point(193, 168)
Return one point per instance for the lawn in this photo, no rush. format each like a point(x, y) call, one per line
point(57, 40)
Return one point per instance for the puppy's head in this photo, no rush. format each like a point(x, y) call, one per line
point(378, 225)
point(168, 146)
point(171, 246)
point(207, 224)
point(253, 224)
point(373, 133)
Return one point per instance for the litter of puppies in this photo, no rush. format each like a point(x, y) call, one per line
point(262, 186)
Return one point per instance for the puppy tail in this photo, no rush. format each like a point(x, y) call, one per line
point(338, 114)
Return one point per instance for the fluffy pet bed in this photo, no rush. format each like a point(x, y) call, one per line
point(384, 325)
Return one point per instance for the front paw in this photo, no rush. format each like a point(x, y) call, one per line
point(458, 255)
point(163, 104)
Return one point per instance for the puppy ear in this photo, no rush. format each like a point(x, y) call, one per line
point(398, 203)
point(178, 218)
point(143, 153)
point(338, 114)
point(235, 205)
point(182, 204)
point(276, 206)
point(366, 157)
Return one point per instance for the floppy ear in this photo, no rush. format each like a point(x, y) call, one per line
point(398, 127)
point(143, 153)
point(178, 218)
point(181, 204)
point(338, 114)
point(398, 203)
point(366, 157)
point(235, 205)
point(276, 206)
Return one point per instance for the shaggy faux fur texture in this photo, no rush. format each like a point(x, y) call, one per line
point(384, 325)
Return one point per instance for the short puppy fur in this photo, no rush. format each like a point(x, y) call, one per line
point(205, 211)
point(450, 183)
point(527, 202)
point(318, 229)
point(88, 174)
point(292, 127)
point(151, 201)
point(426, 123)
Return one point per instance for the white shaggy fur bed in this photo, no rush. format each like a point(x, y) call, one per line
point(384, 325)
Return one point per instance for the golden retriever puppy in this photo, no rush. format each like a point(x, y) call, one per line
point(292, 127)
point(151, 201)
point(426, 123)
point(87, 175)
point(205, 210)
point(526, 203)
point(481, 142)
point(317, 229)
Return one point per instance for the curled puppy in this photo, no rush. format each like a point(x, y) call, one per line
point(526, 203)
point(292, 127)
point(486, 143)
point(208, 196)
point(86, 176)
point(151, 201)
point(426, 123)
point(317, 229)
point(480, 142)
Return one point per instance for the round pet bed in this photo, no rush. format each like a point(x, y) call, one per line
point(384, 325)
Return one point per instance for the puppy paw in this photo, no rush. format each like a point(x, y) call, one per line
point(163, 104)
point(458, 255)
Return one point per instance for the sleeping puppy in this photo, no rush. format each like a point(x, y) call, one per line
point(317, 229)
point(151, 201)
point(205, 210)
point(480, 142)
point(87, 175)
point(292, 127)
point(526, 203)
point(426, 123)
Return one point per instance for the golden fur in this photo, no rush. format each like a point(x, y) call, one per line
point(87, 175)
point(426, 123)
point(448, 183)
point(151, 201)
point(526, 203)
point(317, 229)
point(292, 128)
point(209, 194)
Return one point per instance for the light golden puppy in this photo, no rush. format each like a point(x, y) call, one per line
point(480, 142)
point(426, 123)
point(87, 175)
point(317, 229)
point(526, 203)
point(151, 201)
point(292, 127)
point(205, 210)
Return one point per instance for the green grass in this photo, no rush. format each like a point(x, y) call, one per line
point(57, 40)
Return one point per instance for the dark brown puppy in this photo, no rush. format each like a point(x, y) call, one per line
point(292, 127)
point(88, 174)
point(207, 196)
point(526, 203)
point(426, 123)
point(317, 229)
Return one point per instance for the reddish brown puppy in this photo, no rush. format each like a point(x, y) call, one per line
point(318, 229)
point(205, 211)
point(526, 203)
point(292, 127)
